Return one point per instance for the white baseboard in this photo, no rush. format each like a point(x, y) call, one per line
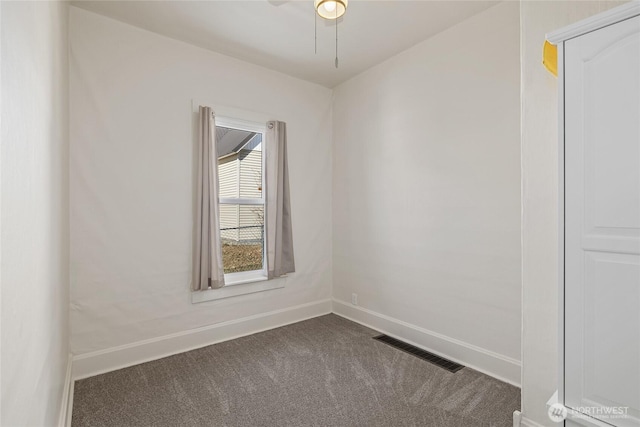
point(70, 404)
point(94, 363)
point(99, 362)
point(526, 422)
point(496, 365)
point(517, 418)
point(521, 421)
point(64, 419)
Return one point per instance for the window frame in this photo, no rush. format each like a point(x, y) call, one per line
point(251, 276)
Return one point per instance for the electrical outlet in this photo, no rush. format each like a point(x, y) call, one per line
point(354, 299)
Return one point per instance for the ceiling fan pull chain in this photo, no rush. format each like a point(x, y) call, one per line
point(315, 32)
point(336, 38)
point(329, 10)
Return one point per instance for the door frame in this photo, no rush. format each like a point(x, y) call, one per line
point(558, 38)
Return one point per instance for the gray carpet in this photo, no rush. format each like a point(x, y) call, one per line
point(325, 371)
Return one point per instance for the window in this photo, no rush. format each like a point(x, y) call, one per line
point(242, 213)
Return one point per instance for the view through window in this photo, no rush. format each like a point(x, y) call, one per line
point(241, 199)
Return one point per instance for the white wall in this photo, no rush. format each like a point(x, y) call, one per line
point(34, 200)
point(427, 187)
point(132, 181)
point(540, 200)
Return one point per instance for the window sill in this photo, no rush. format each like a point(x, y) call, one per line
point(231, 279)
point(238, 287)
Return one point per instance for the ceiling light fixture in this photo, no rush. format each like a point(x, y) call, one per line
point(330, 10)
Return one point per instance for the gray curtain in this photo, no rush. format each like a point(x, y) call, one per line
point(207, 254)
point(278, 210)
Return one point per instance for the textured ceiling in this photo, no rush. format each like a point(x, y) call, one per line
point(279, 34)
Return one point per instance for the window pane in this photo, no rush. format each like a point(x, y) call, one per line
point(242, 231)
point(239, 163)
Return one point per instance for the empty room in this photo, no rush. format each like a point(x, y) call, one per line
point(362, 213)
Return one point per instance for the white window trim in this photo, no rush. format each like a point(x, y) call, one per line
point(241, 124)
point(238, 201)
point(231, 279)
point(228, 291)
point(255, 280)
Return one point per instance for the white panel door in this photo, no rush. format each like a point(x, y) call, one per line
point(602, 222)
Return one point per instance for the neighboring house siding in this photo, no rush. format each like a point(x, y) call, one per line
point(229, 219)
point(251, 221)
point(228, 173)
point(251, 187)
point(250, 173)
point(241, 176)
point(229, 214)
